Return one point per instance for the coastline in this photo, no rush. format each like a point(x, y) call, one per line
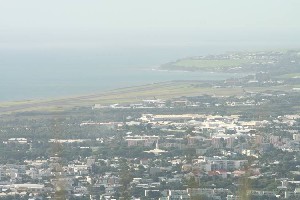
point(98, 84)
point(166, 90)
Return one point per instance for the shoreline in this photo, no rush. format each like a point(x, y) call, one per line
point(166, 90)
point(191, 76)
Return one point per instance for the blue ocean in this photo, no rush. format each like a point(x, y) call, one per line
point(28, 74)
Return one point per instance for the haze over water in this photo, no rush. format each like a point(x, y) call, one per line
point(40, 74)
point(58, 48)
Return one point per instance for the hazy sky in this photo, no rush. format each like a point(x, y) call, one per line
point(147, 22)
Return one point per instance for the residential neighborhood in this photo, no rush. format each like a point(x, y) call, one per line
point(183, 148)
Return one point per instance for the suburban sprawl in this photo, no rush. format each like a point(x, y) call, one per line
point(235, 139)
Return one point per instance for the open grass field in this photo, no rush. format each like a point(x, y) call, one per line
point(191, 64)
point(287, 76)
point(165, 90)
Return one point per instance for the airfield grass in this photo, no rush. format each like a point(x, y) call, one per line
point(14, 103)
point(136, 94)
point(288, 76)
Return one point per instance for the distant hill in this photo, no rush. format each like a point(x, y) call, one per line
point(276, 63)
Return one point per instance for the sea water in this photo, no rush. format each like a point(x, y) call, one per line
point(28, 74)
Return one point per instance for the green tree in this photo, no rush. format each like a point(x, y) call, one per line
point(125, 179)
